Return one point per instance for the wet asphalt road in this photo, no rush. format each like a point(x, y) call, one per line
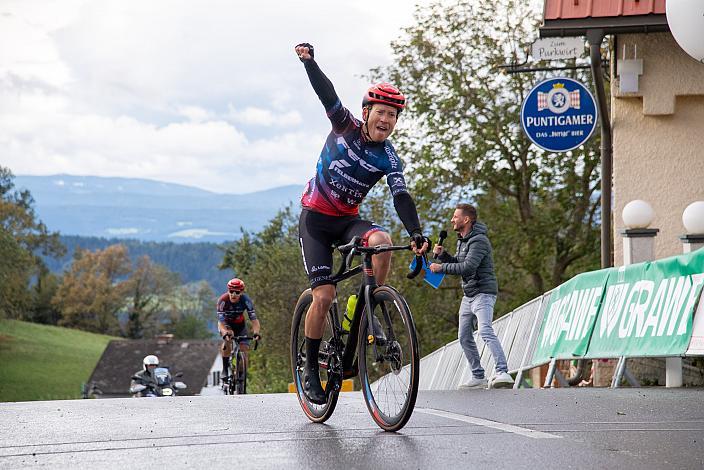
point(561, 428)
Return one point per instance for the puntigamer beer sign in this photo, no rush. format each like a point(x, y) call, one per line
point(559, 114)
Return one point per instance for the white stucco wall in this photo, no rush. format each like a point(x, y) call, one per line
point(658, 138)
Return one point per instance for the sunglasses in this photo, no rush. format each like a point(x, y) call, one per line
point(235, 292)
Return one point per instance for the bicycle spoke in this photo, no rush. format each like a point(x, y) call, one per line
point(390, 363)
point(326, 357)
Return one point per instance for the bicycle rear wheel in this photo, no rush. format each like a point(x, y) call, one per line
point(389, 361)
point(328, 359)
point(241, 377)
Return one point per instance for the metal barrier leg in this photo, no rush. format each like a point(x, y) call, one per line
point(520, 380)
point(618, 373)
point(551, 373)
point(673, 372)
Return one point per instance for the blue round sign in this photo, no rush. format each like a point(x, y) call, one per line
point(559, 114)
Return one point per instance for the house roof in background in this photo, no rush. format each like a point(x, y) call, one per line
point(576, 17)
point(568, 9)
point(123, 358)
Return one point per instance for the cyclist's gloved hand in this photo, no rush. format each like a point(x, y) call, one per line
point(257, 337)
point(419, 243)
point(226, 337)
point(304, 51)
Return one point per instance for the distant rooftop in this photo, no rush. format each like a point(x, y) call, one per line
point(122, 358)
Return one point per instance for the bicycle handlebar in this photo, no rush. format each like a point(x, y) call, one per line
point(354, 248)
point(243, 338)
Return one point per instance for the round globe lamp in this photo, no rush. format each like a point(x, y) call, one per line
point(686, 21)
point(637, 214)
point(693, 218)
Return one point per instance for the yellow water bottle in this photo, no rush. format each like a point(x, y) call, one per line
point(349, 313)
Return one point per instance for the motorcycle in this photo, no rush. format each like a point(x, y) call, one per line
point(163, 385)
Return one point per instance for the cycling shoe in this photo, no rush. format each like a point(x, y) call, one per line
point(312, 387)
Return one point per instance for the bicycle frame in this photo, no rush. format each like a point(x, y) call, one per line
point(236, 350)
point(364, 294)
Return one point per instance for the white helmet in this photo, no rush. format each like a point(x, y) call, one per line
point(150, 360)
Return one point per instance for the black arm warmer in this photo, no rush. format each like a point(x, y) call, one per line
point(406, 210)
point(321, 84)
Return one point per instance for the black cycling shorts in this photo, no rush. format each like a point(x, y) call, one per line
point(318, 232)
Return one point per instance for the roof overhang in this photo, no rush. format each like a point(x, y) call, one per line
point(609, 25)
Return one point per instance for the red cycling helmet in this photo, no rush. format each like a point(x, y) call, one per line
point(235, 285)
point(384, 93)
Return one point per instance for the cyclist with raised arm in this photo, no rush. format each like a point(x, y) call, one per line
point(231, 307)
point(356, 155)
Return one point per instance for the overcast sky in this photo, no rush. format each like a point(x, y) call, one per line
point(203, 93)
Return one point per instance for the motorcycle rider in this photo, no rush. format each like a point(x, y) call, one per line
point(145, 376)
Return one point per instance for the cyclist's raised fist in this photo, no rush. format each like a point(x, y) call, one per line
point(304, 51)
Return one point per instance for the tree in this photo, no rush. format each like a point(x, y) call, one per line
point(93, 290)
point(462, 132)
point(14, 276)
point(270, 264)
point(191, 308)
point(148, 288)
point(22, 238)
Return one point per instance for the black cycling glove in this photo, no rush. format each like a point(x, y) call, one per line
point(419, 239)
point(310, 50)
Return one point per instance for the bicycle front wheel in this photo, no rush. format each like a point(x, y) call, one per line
point(328, 359)
point(389, 359)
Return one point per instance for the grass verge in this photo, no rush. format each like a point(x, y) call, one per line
point(42, 362)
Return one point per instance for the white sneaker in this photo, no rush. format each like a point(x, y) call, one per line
point(501, 380)
point(473, 383)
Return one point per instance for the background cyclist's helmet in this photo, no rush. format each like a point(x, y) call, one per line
point(384, 93)
point(150, 360)
point(235, 285)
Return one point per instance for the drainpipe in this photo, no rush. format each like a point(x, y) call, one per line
point(595, 38)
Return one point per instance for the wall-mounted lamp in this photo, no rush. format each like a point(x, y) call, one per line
point(628, 71)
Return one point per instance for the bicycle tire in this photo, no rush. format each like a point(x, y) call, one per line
point(241, 377)
point(389, 373)
point(316, 413)
point(231, 381)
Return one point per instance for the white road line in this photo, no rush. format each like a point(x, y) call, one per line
point(490, 424)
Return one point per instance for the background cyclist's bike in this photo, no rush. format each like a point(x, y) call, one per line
point(382, 336)
point(236, 382)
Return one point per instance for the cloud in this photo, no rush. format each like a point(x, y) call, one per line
point(263, 117)
point(207, 94)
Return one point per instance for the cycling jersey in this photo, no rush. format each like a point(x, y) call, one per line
point(232, 314)
point(349, 167)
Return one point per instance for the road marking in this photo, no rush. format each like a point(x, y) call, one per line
point(490, 424)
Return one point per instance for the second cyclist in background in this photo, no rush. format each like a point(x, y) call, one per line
point(231, 322)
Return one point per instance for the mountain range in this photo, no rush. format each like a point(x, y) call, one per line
point(150, 210)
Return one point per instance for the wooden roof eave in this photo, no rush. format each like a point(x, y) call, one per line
point(610, 25)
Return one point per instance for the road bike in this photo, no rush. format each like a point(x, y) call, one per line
point(385, 347)
point(236, 382)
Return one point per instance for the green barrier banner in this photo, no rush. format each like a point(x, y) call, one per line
point(570, 317)
point(648, 308)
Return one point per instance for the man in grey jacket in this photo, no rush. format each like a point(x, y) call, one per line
point(473, 261)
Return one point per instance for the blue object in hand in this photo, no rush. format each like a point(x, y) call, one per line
point(434, 279)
